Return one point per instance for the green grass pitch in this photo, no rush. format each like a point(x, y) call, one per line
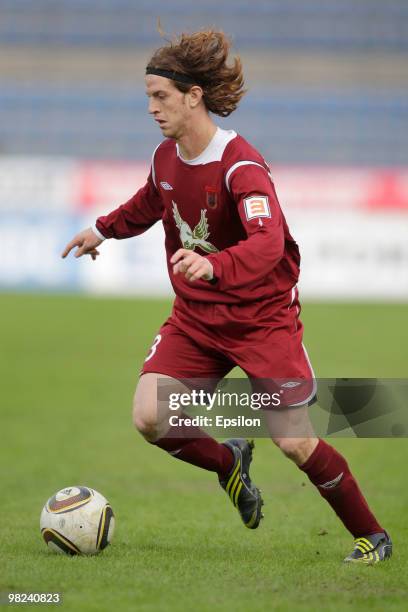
point(69, 367)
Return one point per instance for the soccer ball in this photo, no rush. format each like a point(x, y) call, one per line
point(77, 520)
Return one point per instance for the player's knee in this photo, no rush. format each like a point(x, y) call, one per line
point(144, 413)
point(147, 427)
point(145, 421)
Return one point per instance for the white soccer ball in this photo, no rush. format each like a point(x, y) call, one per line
point(77, 520)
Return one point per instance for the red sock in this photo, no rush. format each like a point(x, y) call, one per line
point(193, 445)
point(329, 472)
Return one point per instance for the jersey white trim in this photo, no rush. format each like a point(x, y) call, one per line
point(153, 170)
point(214, 151)
point(314, 388)
point(238, 165)
point(293, 295)
point(97, 232)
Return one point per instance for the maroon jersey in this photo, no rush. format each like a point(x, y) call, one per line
point(223, 205)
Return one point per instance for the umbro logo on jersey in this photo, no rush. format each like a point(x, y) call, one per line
point(256, 207)
point(166, 186)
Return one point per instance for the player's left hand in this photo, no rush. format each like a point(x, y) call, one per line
point(192, 265)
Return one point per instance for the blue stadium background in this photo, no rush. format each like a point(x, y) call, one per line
point(328, 78)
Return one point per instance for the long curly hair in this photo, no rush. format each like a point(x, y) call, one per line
point(203, 57)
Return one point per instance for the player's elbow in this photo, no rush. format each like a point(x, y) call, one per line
point(275, 249)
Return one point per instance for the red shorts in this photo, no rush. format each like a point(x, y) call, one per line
point(205, 341)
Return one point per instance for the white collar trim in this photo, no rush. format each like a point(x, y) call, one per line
point(214, 150)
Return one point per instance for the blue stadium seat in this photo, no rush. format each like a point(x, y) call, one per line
point(281, 24)
point(353, 127)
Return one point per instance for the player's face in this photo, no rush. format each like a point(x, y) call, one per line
point(167, 105)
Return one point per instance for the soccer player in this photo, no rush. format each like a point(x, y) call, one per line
point(234, 267)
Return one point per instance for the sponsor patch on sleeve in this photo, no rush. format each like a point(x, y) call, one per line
point(257, 206)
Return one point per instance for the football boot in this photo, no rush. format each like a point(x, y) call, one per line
point(245, 496)
point(371, 549)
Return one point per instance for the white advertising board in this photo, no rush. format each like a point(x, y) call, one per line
point(351, 226)
point(354, 256)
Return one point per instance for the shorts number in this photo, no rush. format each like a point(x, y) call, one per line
point(154, 347)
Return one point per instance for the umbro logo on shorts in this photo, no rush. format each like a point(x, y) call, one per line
point(166, 186)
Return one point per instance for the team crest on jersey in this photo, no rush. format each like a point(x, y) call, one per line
point(196, 238)
point(257, 207)
point(212, 197)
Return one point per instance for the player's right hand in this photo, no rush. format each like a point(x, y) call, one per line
point(86, 241)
